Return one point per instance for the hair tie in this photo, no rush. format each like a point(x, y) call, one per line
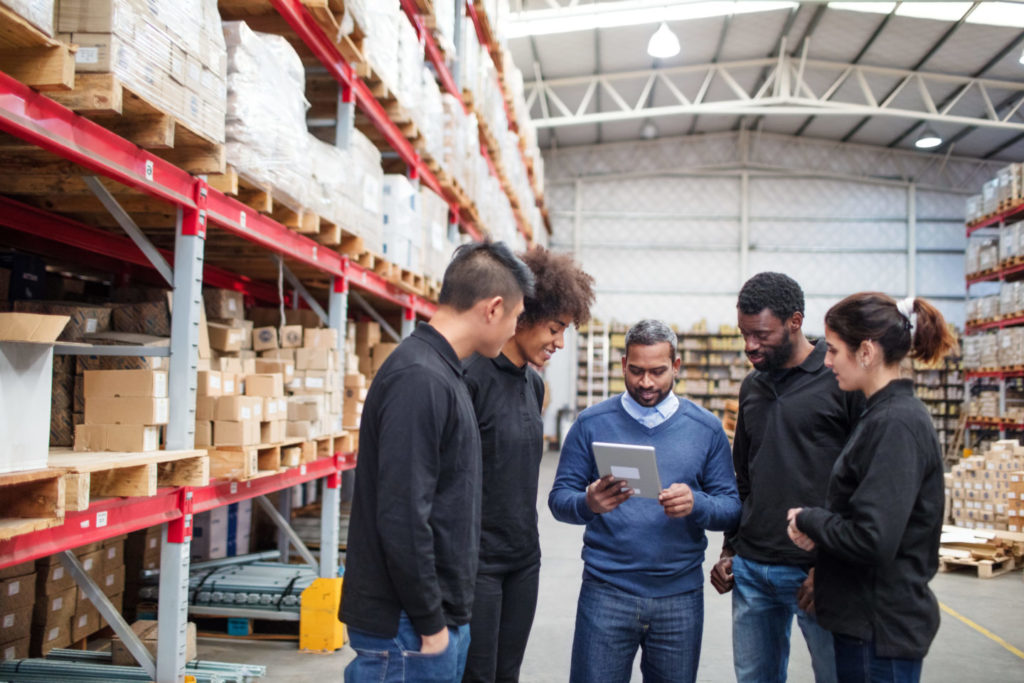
point(906, 309)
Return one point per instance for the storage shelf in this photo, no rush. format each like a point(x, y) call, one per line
point(115, 516)
point(1008, 214)
point(972, 328)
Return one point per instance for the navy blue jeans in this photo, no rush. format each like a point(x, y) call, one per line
point(858, 662)
point(763, 607)
point(611, 624)
point(398, 659)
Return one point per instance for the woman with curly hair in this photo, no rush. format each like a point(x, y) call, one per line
point(508, 395)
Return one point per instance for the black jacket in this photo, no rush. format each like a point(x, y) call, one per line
point(508, 402)
point(878, 538)
point(415, 527)
point(791, 427)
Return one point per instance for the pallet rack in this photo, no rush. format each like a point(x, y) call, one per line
point(940, 387)
point(981, 379)
point(204, 216)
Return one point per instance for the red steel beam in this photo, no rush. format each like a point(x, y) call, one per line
point(995, 220)
point(226, 492)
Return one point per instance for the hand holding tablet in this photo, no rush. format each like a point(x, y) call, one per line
point(637, 466)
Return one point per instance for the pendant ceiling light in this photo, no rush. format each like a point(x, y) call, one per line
point(928, 139)
point(663, 44)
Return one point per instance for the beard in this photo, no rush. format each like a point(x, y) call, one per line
point(775, 357)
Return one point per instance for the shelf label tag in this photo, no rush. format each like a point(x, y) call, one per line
point(302, 470)
point(149, 170)
point(315, 253)
point(241, 219)
point(101, 519)
point(234, 487)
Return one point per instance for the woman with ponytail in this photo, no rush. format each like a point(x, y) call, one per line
point(878, 536)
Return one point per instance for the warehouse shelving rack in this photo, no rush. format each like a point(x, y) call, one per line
point(201, 212)
point(1003, 378)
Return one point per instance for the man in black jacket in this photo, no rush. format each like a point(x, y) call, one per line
point(793, 421)
point(415, 528)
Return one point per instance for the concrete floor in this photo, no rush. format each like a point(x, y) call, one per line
point(960, 653)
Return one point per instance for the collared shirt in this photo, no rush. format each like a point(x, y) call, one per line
point(508, 399)
point(650, 417)
point(791, 426)
point(415, 529)
point(878, 533)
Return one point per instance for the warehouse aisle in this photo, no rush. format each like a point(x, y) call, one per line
point(960, 652)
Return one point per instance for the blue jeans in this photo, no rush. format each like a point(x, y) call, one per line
point(391, 660)
point(857, 662)
point(763, 605)
point(611, 624)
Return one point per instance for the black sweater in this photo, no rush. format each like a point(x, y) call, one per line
point(415, 527)
point(878, 537)
point(508, 402)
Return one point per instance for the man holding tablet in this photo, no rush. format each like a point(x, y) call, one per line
point(642, 580)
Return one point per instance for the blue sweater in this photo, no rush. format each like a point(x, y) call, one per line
point(637, 547)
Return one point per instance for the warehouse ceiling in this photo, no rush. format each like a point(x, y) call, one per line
point(876, 73)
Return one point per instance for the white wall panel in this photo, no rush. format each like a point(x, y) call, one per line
point(683, 195)
point(940, 275)
point(828, 234)
point(837, 273)
point(811, 197)
point(946, 235)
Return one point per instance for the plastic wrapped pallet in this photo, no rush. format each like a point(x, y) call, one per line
point(172, 54)
point(444, 25)
point(429, 114)
point(337, 191)
point(267, 140)
point(382, 19)
point(410, 64)
point(437, 249)
point(39, 13)
point(402, 233)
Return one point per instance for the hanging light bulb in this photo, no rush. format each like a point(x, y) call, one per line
point(928, 139)
point(1021, 60)
point(663, 44)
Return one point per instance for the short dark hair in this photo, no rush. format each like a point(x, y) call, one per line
point(562, 288)
point(481, 270)
point(777, 292)
point(650, 332)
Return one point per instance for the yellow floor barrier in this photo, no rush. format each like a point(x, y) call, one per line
point(319, 628)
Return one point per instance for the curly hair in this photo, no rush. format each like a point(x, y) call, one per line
point(777, 292)
point(561, 288)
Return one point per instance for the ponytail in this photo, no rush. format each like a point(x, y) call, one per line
point(873, 316)
point(932, 337)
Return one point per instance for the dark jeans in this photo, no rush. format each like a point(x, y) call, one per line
point(503, 610)
point(398, 659)
point(858, 662)
point(611, 624)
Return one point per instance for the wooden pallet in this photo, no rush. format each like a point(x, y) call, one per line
point(986, 569)
point(30, 501)
point(408, 280)
point(264, 199)
point(105, 475)
point(32, 57)
point(240, 463)
point(103, 98)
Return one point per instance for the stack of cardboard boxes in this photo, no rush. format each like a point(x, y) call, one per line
point(123, 410)
point(43, 608)
point(981, 488)
point(365, 353)
point(222, 532)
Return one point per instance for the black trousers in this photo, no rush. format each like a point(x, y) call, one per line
point(503, 610)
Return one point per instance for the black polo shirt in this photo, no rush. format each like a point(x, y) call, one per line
point(878, 534)
point(791, 427)
point(508, 402)
point(415, 528)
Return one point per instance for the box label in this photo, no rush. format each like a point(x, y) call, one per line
point(8, 620)
point(58, 603)
point(54, 634)
point(87, 55)
point(58, 573)
point(14, 588)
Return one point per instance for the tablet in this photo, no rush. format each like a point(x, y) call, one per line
point(636, 464)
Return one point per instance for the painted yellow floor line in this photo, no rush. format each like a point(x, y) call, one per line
point(981, 629)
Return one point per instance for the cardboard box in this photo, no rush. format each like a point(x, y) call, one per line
point(126, 438)
point(23, 569)
point(224, 337)
point(356, 380)
point(47, 637)
point(113, 553)
point(280, 366)
point(206, 407)
point(272, 408)
point(130, 410)
point(314, 359)
point(367, 336)
point(147, 632)
point(238, 408)
point(142, 549)
point(380, 354)
point(17, 591)
point(291, 336)
point(209, 383)
point(146, 317)
point(236, 433)
point(111, 581)
point(85, 623)
point(264, 338)
point(231, 384)
point(82, 319)
point(17, 649)
point(15, 622)
point(280, 354)
point(306, 408)
point(273, 432)
point(52, 579)
point(224, 304)
point(92, 563)
point(264, 385)
point(53, 609)
point(204, 434)
point(320, 339)
point(302, 429)
point(120, 383)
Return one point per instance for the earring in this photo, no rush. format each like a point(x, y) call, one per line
point(864, 365)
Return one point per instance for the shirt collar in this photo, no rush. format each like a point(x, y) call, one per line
point(667, 406)
point(897, 387)
point(503, 363)
point(425, 332)
point(816, 358)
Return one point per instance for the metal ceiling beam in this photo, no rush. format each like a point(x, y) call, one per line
point(714, 60)
point(1006, 145)
point(860, 55)
point(780, 46)
point(786, 92)
point(921, 62)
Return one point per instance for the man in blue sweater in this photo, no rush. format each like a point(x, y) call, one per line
point(642, 580)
